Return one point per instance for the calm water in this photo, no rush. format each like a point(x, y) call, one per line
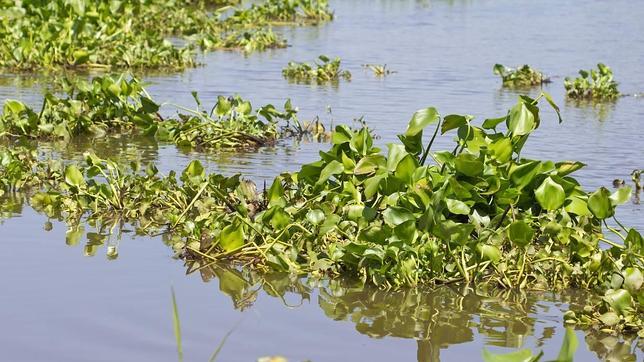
point(58, 304)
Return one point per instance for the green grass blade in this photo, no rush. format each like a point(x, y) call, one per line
point(176, 324)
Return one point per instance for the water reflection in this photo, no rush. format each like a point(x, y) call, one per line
point(436, 318)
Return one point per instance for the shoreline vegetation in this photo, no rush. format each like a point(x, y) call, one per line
point(144, 35)
point(479, 214)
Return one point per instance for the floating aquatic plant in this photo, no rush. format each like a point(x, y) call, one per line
point(479, 214)
point(595, 84)
point(524, 76)
point(379, 70)
point(326, 71)
point(117, 104)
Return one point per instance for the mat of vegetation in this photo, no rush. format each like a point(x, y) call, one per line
point(119, 104)
point(325, 71)
point(140, 34)
point(524, 76)
point(479, 214)
point(594, 84)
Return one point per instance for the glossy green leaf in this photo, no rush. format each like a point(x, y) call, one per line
point(621, 196)
point(394, 216)
point(457, 207)
point(600, 204)
point(550, 195)
point(520, 233)
point(73, 176)
point(421, 119)
point(521, 121)
point(468, 164)
point(231, 237)
point(333, 168)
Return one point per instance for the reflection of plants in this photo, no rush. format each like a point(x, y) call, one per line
point(596, 84)
point(566, 354)
point(523, 76)
point(326, 71)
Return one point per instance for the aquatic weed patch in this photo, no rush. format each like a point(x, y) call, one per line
point(325, 71)
point(121, 104)
point(524, 76)
point(139, 34)
point(594, 84)
point(479, 214)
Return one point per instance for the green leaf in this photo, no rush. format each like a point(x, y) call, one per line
point(332, 168)
point(619, 300)
point(577, 206)
point(397, 215)
point(550, 195)
point(634, 240)
point(633, 280)
point(489, 252)
point(372, 184)
point(453, 121)
point(231, 237)
point(522, 175)
point(396, 154)
point(520, 233)
point(501, 149)
point(568, 167)
point(622, 195)
point(468, 164)
point(369, 164)
point(521, 120)
point(73, 176)
point(148, 105)
point(315, 217)
point(553, 105)
point(421, 119)
point(275, 193)
point(491, 123)
point(457, 207)
point(568, 347)
point(600, 204)
point(524, 355)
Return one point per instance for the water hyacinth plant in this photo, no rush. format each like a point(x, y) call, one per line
point(379, 70)
point(479, 214)
point(326, 71)
point(137, 34)
point(117, 104)
point(595, 84)
point(524, 76)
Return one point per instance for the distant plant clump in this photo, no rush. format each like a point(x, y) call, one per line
point(480, 214)
point(595, 84)
point(326, 71)
point(524, 76)
point(136, 34)
point(379, 70)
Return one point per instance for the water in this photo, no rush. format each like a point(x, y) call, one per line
point(58, 304)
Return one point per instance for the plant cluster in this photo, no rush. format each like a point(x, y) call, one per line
point(524, 76)
point(480, 213)
point(379, 70)
point(595, 84)
point(137, 34)
point(320, 72)
point(111, 104)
